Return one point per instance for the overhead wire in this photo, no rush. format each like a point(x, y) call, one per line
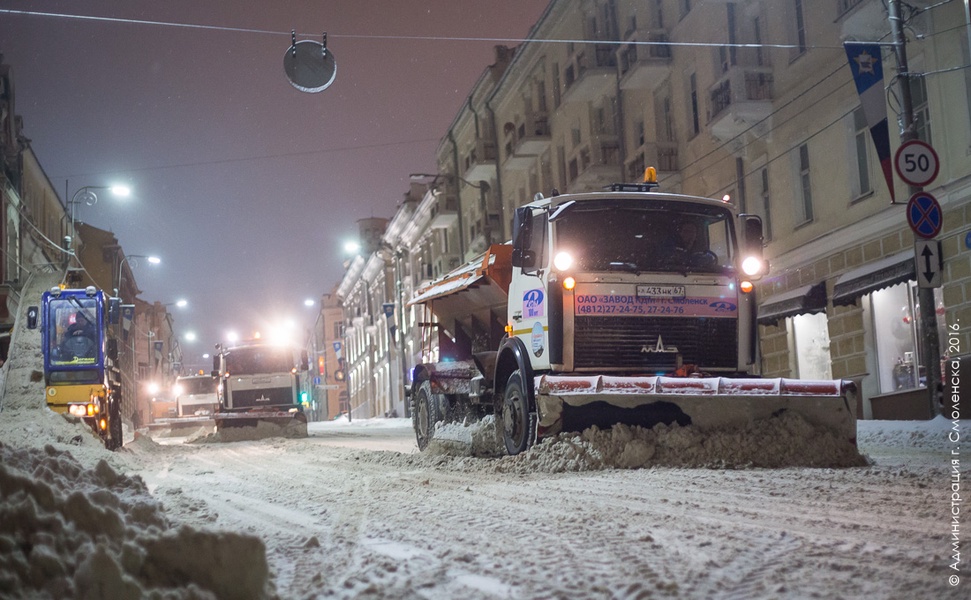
point(458, 39)
point(425, 38)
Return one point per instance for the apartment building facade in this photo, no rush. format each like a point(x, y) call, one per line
point(752, 101)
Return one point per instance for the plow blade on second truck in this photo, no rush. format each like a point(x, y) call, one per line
point(573, 403)
point(290, 423)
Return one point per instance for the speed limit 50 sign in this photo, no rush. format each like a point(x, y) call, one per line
point(917, 163)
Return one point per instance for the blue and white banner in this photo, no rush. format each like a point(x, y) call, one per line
point(866, 63)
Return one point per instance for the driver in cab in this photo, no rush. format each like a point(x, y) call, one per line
point(690, 248)
point(79, 338)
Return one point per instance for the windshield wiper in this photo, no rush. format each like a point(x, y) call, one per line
point(623, 266)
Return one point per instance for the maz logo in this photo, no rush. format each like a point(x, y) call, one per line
point(659, 347)
point(723, 306)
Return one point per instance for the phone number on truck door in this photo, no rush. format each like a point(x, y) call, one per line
point(628, 309)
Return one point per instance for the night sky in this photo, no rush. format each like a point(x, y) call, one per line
point(244, 186)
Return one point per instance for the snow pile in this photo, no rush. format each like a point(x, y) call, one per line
point(68, 531)
point(921, 435)
point(784, 441)
point(466, 438)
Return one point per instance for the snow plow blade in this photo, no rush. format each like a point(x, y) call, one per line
point(176, 423)
point(568, 403)
point(293, 424)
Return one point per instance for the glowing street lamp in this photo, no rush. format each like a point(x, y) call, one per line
point(87, 195)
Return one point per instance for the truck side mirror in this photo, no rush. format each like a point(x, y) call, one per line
point(752, 236)
point(114, 311)
point(32, 314)
point(111, 349)
point(521, 235)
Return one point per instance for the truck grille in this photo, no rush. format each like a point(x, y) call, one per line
point(263, 397)
point(631, 343)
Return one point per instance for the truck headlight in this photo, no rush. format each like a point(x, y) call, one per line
point(752, 266)
point(562, 261)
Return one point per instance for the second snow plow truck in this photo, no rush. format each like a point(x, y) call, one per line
point(623, 306)
point(259, 382)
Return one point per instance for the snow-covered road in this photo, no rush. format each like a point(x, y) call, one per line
point(354, 511)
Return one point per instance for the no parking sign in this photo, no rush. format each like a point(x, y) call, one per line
point(924, 215)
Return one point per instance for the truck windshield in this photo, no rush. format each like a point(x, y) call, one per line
point(638, 236)
point(196, 385)
point(257, 360)
point(72, 334)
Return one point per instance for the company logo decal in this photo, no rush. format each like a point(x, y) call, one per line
point(533, 304)
point(658, 347)
point(537, 339)
point(722, 306)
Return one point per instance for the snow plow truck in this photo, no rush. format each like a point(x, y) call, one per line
point(81, 373)
point(623, 306)
point(260, 382)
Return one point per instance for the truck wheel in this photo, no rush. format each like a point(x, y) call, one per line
point(427, 411)
point(115, 434)
point(517, 421)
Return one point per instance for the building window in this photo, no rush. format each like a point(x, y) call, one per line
point(693, 92)
point(766, 220)
point(810, 344)
point(757, 31)
point(684, 7)
point(664, 116)
point(805, 208)
point(896, 331)
point(966, 54)
point(800, 20)
point(739, 198)
point(862, 185)
point(922, 116)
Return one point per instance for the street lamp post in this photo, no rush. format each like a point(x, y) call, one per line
point(87, 195)
point(132, 260)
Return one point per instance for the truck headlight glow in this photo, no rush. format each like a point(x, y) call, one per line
point(562, 261)
point(752, 266)
point(569, 283)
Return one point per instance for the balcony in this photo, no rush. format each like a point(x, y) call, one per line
point(591, 170)
point(739, 101)
point(862, 20)
point(663, 156)
point(643, 63)
point(480, 163)
point(526, 141)
point(590, 73)
point(533, 135)
point(444, 213)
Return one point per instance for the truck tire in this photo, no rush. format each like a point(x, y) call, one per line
point(517, 419)
point(428, 410)
point(114, 440)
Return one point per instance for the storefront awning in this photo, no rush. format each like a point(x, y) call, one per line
point(808, 299)
point(874, 276)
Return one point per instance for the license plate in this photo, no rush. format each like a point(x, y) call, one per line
point(671, 291)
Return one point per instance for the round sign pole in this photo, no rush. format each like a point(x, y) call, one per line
point(917, 163)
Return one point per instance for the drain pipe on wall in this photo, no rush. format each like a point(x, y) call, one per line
point(458, 195)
